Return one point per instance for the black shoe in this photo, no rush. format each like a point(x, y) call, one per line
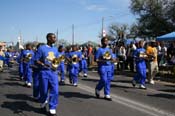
point(52, 114)
point(61, 83)
point(44, 109)
point(133, 83)
point(97, 93)
point(108, 99)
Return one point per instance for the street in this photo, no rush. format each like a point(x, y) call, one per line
point(157, 100)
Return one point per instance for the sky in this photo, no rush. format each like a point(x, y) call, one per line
point(35, 18)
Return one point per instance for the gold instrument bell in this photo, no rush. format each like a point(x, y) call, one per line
point(62, 58)
point(143, 55)
point(28, 57)
point(55, 63)
point(107, 55)
point(74, 59)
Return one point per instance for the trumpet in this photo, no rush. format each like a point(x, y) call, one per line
point(28, 58)
point(107, 55)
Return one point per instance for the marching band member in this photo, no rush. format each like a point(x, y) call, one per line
point(8, 56)
point(21, 74)
point(27, 56)
point(84, 61)
point(46, 57)
point(140, 57)
point(74, 58)
point(36, 75)
point(104, 57)
point(61, 66)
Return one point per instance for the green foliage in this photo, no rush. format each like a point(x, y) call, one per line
point(156, 17)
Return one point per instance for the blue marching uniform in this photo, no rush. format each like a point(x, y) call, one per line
point(104, 70)
point(36, 77)
point(84, 63)
point(140, 67)
point(74, 67)
point(19, 60)
point(8, 56)
point(61, 67)
point(27, 56)
point(49, 78)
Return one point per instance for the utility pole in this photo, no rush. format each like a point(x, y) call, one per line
point(102, 27)
point(57, 37)
point(73, 34)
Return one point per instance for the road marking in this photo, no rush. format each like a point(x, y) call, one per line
point(152, 111)
point(130, 85)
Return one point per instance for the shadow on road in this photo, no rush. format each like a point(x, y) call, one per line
point(170, 86)
point(13, 84)
point(168, 90)
point(122, 81)
point(19, 107)
point(76, 94)
point(120, 86)
point(161, 95)
point(92, 80)
point(19, 97)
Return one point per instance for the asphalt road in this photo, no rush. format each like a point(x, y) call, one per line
point(157, 100)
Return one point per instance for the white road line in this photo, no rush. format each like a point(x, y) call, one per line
point(129, 85)
point(152, 111)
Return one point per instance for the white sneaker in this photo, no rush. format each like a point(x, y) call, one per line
point(29, 84)
point(52, 111)
point(107, 96)
point(75, 84)
point(152, 82)
point(85, 75)
point(142, 87)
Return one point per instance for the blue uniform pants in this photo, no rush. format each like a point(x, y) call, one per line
point(140, 76)
point(27, 72)
point(61, 69)
point(36, 76)
point(49, 83)
point(105, 79)
point(84, 66)
point(74, 70)
point(21, 69)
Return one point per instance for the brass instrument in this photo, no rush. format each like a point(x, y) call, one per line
point(107, 55)
point(74, 59)
point(55, 63)
point(28, 57)
point(143, 55)
point(62, 58)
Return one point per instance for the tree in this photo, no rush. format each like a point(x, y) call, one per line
point(117, 31)
point(63, 42)
point(156, 17)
